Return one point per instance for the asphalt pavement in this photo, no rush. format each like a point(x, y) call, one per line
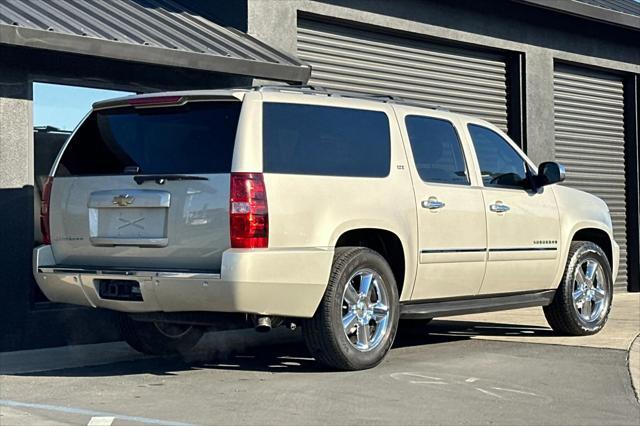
point(467, 370)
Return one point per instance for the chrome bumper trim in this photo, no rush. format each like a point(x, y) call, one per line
point(159, 274)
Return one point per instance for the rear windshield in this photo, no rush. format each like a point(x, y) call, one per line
point(194, 138)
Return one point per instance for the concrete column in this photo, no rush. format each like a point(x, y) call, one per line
point(274, 23)
point(539, 105)
point(16, 143)
point(16, 130)
point(16, 201)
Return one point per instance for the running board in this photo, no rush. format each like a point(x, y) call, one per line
point(474, 305)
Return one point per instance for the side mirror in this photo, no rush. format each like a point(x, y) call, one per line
point(550, 172)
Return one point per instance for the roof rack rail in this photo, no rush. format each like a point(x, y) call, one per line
point(311, 89)
point(296, 87)
point(421, 104)
point(370, 96)
point(321, 90)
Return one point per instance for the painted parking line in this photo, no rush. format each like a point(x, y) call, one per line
point(82, 411)
point(101, 421)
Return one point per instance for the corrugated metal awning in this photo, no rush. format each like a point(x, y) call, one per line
point(630, 7)
point(624, 13)
point(159, 32)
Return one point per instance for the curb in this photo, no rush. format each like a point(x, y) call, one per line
point(65, 357)
point(59, 358)
point(633, 358)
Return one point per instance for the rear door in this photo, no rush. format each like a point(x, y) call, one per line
point(146, 186)
point(451, 219)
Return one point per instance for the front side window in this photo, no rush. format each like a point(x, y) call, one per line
point(500, 164)
point(436, 150)
point(329, 141)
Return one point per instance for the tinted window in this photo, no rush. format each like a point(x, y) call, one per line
point(194, 138)
point(500, 164)
point(318, 140)
point(436, 150)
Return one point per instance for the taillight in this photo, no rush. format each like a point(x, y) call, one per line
point(44, 210)
point(248, 211)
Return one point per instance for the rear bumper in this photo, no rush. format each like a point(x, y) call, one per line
point(283, 282)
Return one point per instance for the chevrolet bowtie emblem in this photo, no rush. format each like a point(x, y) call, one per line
point(123, 200)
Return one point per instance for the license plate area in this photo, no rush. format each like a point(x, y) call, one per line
point(137, 218)
point(111, 289)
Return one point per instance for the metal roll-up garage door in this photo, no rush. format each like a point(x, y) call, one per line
point(356, 60)
point(589, 136)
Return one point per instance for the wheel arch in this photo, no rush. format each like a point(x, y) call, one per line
point(597, 236)
point(597, 233)
point(385, 242)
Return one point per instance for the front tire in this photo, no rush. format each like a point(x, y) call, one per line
point(356, 322)
point(159, 338)
point(582, 302)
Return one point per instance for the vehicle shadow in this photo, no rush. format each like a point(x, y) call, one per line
point(451, 330)
point(283, 351)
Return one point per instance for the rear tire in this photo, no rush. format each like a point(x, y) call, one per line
point(356, 322)
point(159, 338)
point(582, 302)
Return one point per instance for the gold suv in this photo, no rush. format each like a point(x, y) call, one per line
point(295, 206)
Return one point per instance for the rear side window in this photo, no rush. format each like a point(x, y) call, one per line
point(436, 150)
point(330, 141)
point(197, 137)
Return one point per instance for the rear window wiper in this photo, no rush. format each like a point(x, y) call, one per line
point(160, 179)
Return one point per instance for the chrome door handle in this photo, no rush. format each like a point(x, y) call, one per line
point(432, 204)
point(499, 208)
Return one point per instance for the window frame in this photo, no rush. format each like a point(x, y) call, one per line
point(529, 172)
point(389, 153)
point(460, 144)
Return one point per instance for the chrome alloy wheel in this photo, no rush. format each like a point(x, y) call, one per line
point(365, 310)
point(589, 290)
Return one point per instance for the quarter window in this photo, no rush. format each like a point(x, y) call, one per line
point(436, 150)
point(320, 140)
point(500, 164)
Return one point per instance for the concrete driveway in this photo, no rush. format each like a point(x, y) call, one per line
point(481, 369)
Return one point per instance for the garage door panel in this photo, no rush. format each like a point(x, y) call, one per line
point(356, 60)
point(594, 159)
point(587, 81)
point(577, 114)
point(328, 35)
point(586, 93)
point(446, 69)
point(587, 139)
point(406, 83)
point(424, 87)
point(576, 130)
point(574, 125)
point(588, 103)
point(582, 107)
point(589, 135)
point(393, 72)
point(573, 146)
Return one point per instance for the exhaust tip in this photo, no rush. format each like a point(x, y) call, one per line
point(263, 324)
